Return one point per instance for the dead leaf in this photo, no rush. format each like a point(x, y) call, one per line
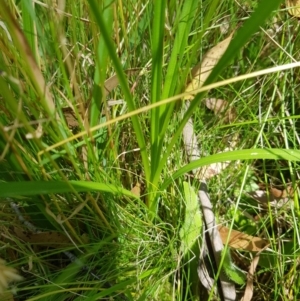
point(293, 7)
point(224, 26)
point(113, 81)
point(199, 74)
point(70, 117)
point(201, 71)
point(248, 294)
point(242, 241)
point(275, 197)
point(217, 105)
point(136, 190)
point(7, 275)
point(221, 107)
point(281, 194)
point(250, 277)
point(47, 239)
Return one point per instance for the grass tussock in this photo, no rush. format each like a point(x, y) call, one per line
point(92, 198)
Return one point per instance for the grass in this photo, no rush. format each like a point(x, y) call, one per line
point(70, 159)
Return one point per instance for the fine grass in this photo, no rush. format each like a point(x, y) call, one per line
point(70, 158)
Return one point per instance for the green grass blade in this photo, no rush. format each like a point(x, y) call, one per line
point(245, 154)
point(160, 117)
point(13, 189)
point(184, 26)
point(156, 83)
point(171, 86)
point(101, 65)
point(28, 18)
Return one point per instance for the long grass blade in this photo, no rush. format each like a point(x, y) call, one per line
point(245, 154)
point(13, 189)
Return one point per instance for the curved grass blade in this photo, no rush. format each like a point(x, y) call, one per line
point(245, 154)
point(251, 26)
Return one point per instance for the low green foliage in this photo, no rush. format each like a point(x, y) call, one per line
point(192, 224)
point(190, 237)
point(233, 272)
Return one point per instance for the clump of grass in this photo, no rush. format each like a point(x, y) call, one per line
point(73, 157)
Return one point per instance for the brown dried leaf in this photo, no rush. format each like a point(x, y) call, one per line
point(281, 194)
point(201, 71)
point(70, 116)
point(248, 294)
point(47, 239)
point(275, 197)
point(136, 190)
point(216, 105)
point(242, 241)
point(293, 7)
point(113, 81)
point(221, 107)
point(7, 275)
